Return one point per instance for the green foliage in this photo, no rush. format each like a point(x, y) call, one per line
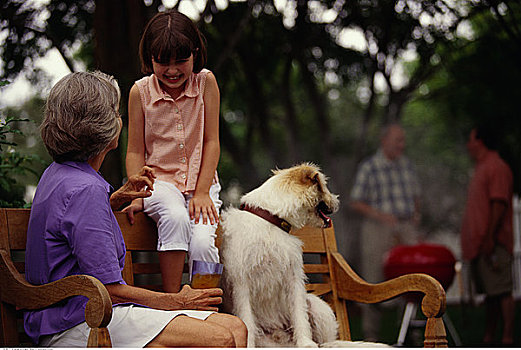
point(13, 164)
point(272, 75)
point(480, 85)
point(65, 23)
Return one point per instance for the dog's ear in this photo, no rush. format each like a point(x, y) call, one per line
point(315, 177)
point(310, 176)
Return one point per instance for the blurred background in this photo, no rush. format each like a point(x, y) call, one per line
point(300, 81)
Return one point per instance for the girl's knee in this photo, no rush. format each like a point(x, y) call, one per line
point(174, 221)
point(202, 244)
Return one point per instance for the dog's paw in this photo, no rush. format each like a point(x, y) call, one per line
point(306, 343)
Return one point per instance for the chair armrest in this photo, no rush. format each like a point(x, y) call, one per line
point(17, 291)
point(351, 287)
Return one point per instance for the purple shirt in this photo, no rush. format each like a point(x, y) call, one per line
point(72, 231)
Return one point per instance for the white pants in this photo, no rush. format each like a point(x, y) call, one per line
point(168, 207)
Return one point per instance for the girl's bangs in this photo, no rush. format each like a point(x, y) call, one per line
point(175, 48)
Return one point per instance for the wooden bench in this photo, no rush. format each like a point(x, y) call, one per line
point(330, 277)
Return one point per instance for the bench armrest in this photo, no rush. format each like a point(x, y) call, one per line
point(351, 287)
point(98, 312)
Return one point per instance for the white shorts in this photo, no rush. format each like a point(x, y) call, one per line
point(131, 327)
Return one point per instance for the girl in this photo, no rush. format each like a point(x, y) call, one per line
point(174, 129)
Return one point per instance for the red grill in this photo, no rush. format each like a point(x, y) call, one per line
point(433, 259)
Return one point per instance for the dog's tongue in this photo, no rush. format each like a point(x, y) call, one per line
point(327, 219)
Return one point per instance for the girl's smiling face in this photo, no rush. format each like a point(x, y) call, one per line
point(172, 76)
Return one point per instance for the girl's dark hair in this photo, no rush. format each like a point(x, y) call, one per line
point(171, 35)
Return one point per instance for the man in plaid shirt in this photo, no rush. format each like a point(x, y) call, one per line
point(386, 192)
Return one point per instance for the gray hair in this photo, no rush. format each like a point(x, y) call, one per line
point(81, 116)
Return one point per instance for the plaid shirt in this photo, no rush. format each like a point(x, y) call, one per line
point(389, 186)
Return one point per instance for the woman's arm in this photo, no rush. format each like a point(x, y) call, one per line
point(186, 299)
point(201, 202)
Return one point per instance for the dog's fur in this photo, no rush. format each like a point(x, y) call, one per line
point(264, 280)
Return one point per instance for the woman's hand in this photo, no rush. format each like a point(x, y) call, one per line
point(203, 204)
point(197, 299)
point(140, 185)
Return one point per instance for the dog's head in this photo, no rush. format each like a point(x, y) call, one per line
point(298, 195)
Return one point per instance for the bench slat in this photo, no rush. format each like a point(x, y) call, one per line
point(312, 238)
point(17, 221)
point(318, 288)
point(142, 235)
point(316, 268)
point(146, 268)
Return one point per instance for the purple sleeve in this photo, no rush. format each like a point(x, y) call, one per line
point(92, 233)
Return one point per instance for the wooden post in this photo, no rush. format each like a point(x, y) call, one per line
point(435, 335)
point(99, 338)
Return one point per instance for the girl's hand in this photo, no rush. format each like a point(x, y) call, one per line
point(203, 204)
point(134, 207)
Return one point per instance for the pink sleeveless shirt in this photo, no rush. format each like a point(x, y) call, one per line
point(174, 130)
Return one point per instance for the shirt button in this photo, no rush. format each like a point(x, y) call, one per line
point(183, 160)
point(182, 145)
point(176, 110)
point(179, 127)
point(183, 176)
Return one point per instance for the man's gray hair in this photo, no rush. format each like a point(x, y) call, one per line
point(81, 116)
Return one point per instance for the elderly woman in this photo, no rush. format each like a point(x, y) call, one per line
point(73, 230)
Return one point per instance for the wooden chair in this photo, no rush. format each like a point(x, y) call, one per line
point(329, 274)
point(17, 294)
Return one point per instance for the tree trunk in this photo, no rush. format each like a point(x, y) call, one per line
point(291, 120)
point(258, 108)
point(118, 25)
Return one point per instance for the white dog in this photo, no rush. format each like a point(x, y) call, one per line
point(263, 279)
